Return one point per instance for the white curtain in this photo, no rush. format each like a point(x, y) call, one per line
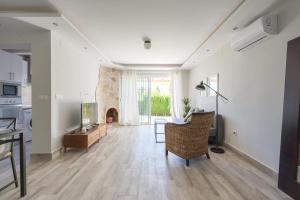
point(129, 103)
point(177, 104)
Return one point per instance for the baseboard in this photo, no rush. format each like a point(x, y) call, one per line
point(41, 156)
point(56, 154)
point(47, 156)
point(271, 172)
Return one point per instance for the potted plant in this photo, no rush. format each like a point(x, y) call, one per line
point(187, 105)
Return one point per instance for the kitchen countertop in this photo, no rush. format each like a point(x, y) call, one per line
point(25, 107)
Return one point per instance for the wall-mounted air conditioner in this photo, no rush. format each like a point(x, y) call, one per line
point(254, 33)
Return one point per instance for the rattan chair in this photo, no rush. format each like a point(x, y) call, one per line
point(6, 152)
point(189, 140)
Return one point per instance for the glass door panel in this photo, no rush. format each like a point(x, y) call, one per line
point(154, 98)
point(160, 98)
point(144, 92)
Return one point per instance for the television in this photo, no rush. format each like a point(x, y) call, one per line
point(89, 114)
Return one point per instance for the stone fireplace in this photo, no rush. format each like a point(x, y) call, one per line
point(107, 94)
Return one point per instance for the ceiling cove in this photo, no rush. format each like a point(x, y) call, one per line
point(181, 32)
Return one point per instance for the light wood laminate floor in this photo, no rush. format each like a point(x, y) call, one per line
point(128, 164)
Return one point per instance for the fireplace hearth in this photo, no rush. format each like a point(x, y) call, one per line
point(112, 116)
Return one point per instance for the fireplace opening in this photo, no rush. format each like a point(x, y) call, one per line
point(112, 116)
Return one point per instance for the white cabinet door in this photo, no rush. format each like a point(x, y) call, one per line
point(5, 66)
point(17, 68)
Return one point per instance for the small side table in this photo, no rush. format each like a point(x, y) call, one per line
point(158, 122)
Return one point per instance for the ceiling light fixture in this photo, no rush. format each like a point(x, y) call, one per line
point(147, 43)
point(55, 24)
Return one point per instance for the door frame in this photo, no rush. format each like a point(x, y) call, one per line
point(149, 75)
point(288, 167)
point(149, 96)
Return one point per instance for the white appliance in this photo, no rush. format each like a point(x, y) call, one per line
point(27, 124)
point(10, 93)
point(255, 32)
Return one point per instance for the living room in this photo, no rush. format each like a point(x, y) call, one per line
point(152, 100)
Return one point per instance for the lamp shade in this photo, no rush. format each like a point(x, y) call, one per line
point(200, 86)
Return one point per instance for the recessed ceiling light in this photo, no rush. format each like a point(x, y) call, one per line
point(85, 48)
point(55, 24)
point(235, 28)
point(207, 50)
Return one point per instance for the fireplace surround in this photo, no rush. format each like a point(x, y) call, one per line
point(107, 93)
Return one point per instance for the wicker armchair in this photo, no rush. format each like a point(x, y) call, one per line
point(189, 140)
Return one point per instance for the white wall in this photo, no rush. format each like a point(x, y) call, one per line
point(185, 83)
point(41, 79)
point(254, 83)
point(74, 79)
point(59, 68)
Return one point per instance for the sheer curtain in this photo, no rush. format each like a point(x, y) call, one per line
point(177, 105)
point(129, 103)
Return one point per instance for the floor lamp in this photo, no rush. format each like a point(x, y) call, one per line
point(203, 86)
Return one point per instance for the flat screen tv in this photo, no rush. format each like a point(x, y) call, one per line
point(89, 114)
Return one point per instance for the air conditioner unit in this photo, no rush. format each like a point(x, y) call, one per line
point(254, 33)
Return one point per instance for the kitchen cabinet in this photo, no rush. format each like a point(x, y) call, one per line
point(11, 67)
point(16, 68)
point(5, 65)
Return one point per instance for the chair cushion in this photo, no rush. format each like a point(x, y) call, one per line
point(188, 115)
point(5, 155)
point(4, 150)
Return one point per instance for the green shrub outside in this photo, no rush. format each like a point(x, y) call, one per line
point(160, 105)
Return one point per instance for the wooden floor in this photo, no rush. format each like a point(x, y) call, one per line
point(128, 164)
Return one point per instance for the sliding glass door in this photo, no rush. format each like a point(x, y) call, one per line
point(154, 97)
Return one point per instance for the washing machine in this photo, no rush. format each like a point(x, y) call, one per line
point(27, 124)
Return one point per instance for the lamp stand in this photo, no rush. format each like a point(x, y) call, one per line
point(216, 148)
point(202, 86)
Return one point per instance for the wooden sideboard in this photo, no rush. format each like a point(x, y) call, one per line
point(79, 139)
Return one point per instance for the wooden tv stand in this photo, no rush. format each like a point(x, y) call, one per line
point(79, 139)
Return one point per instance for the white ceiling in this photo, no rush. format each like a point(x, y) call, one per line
point(177, 28)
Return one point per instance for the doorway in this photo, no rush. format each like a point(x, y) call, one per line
point(154, 97)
